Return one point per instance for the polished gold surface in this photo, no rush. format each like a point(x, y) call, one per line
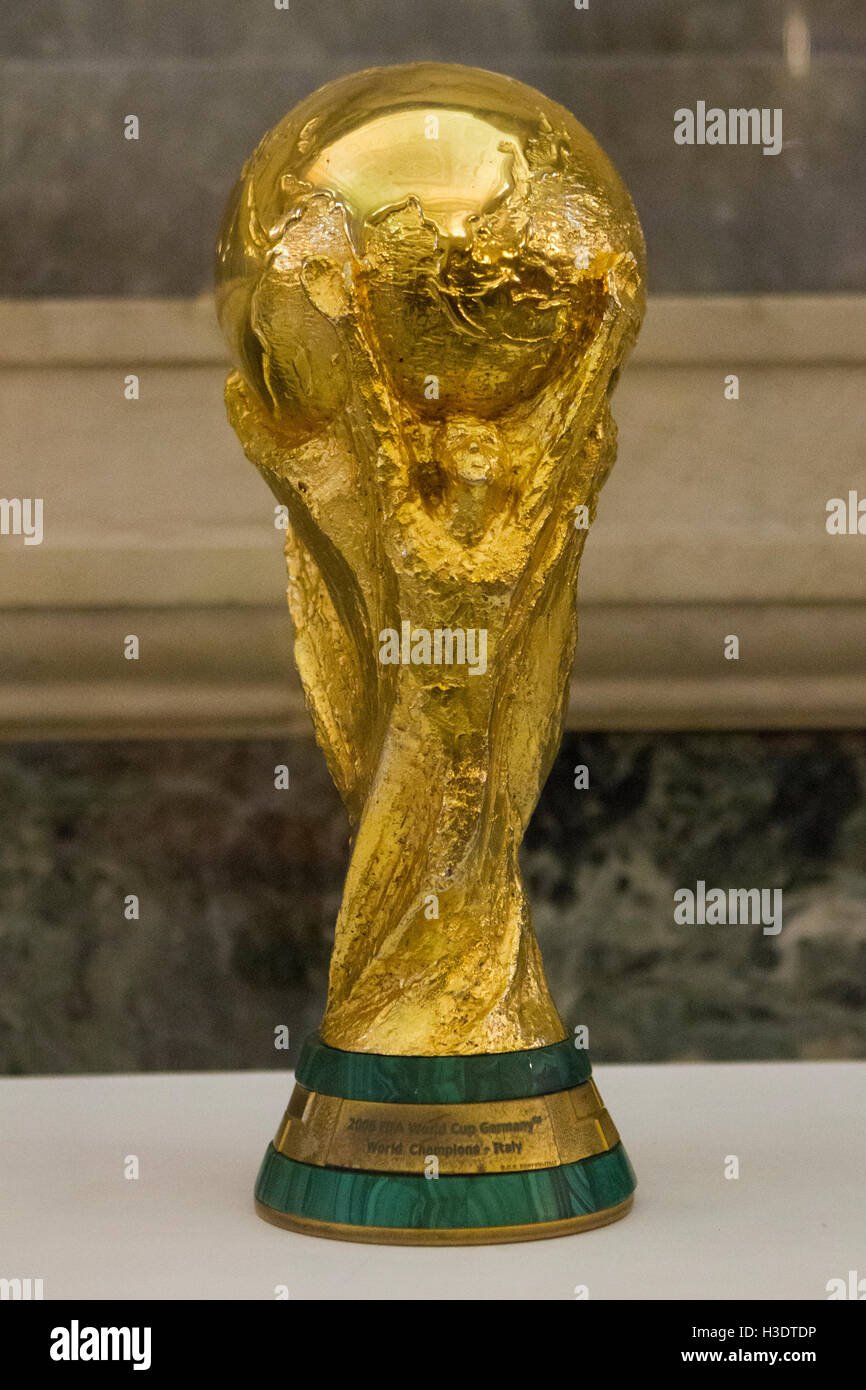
point(458, 1235)
point(429, 277)
point(489, 1137)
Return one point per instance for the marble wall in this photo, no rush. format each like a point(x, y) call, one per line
point(239, 883)
point(86, 212)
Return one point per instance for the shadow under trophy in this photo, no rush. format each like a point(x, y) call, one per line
point(429, 277)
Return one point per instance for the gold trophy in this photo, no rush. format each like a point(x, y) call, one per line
point(429, 277)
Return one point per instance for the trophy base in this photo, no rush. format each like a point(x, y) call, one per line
point(467, 1235)
point(444, 1150)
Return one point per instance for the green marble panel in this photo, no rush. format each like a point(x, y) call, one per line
point(457, 1201)
point(441, 1080)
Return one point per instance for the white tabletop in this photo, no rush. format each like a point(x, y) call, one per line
point(794, 1219)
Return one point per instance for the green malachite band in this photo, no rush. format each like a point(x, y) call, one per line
point(457, 1202)
point(441, 1080)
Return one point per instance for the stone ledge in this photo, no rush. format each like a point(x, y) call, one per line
point(689, 330)
point(712, 522)
point(228, 673)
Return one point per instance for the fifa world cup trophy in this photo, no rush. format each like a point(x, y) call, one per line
point(429, 277)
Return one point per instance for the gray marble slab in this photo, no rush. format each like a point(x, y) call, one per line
point(220, 28)
point(86, 212)
point(239, 885)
